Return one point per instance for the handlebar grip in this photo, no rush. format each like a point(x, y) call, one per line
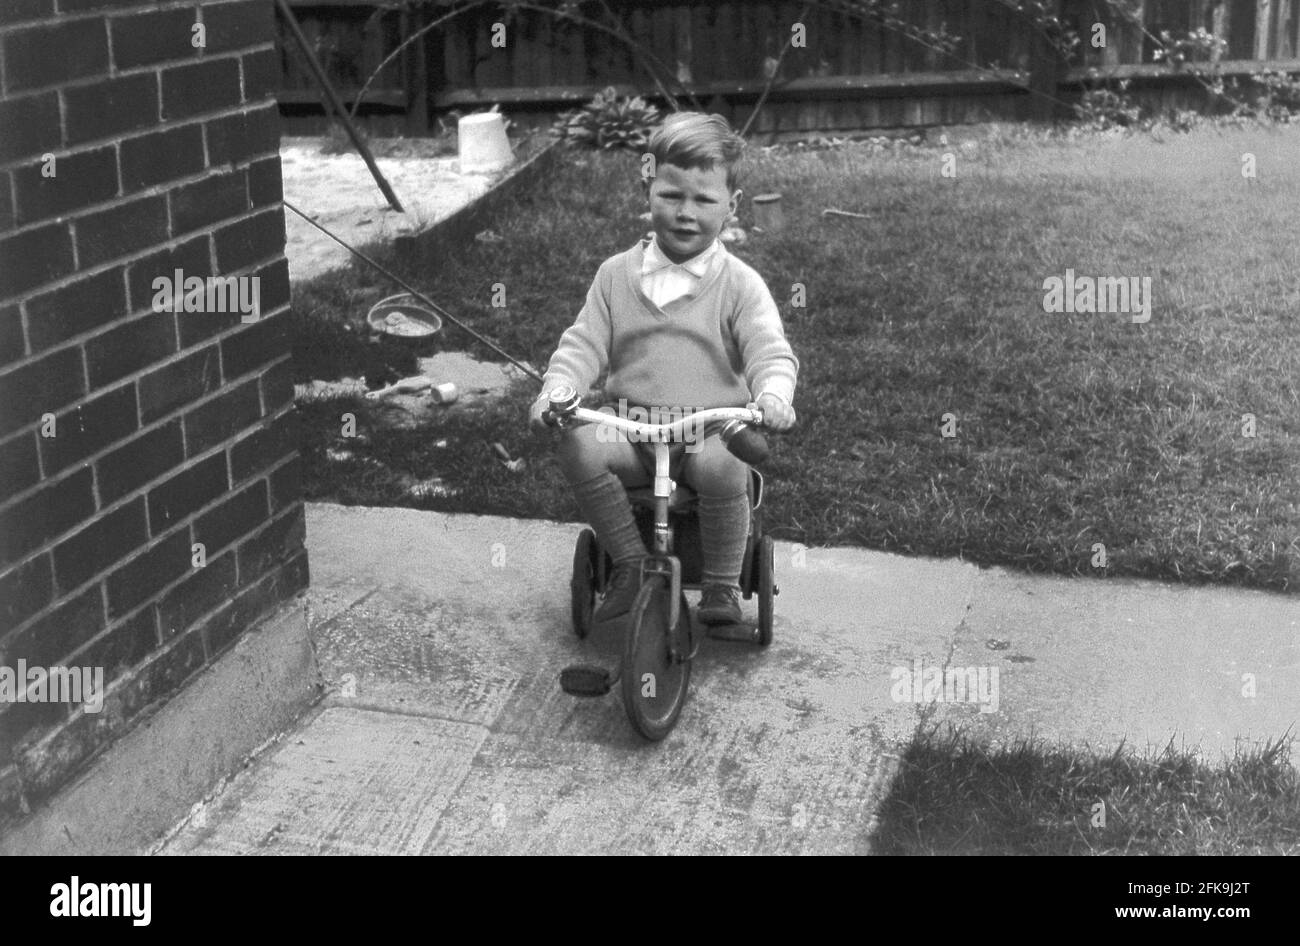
point(745, 442)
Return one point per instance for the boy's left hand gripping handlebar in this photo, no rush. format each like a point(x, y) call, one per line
point(564, 400)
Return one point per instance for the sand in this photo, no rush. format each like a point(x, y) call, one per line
point(338, 191)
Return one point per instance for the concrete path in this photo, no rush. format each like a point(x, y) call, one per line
point(441, 639)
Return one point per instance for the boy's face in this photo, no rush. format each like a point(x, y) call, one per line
point(688, 207)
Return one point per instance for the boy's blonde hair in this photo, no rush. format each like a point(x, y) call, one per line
point(696, 140)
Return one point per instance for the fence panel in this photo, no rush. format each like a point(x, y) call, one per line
point(720, 50)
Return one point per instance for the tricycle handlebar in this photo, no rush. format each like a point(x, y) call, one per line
point(749, 445)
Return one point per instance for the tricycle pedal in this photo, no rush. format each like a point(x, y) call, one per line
point(739, 633)
point(586, 680)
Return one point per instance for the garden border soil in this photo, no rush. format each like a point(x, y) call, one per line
point(431, 244)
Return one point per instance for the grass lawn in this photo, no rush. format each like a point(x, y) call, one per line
point(1072, 429)
point(956, 796)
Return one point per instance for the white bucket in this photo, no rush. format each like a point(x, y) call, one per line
point(483, 143)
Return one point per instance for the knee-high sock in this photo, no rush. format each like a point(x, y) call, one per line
point(724, 524)
point(603, 502)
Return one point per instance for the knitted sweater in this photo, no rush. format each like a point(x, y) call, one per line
point(721, 347)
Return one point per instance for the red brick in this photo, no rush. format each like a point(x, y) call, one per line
point(53, 637)
point(78, 6)
point(250, 241)
point(110, 107)
point(6, 203)
point(20, 11)
point(100, 545)
point(199, 326)
point(19, 469)
point(203, 203)
point(123, 646)
point(31, 259)
point(122, 230)
point(286, 484)
point(262, 126)
point(222, 417)
point(22, 723)
point(192, 257)
point(275, 286)
point(238, 25)
point(261, 74)
point(12, 346)
point(259, 601)
point(262, 341)
point(89, 428)
point(179, 383)
point(265, 183)
point(81, 179)
point(207, 588)
point(24, 590)
point(78, 307)
point(154, 37)
point(142, 579)
point(130, 347)
point(161, 156)
point(18, 466)
point(39, 387)
point(143, 459)
point(162, 676)
point(203, 87)
point(240, 515)
point(266, 447)
point(31, 126)
point(275, 544)
point(182, 495)
point(29, 523)
point(233, 139)
point(227, 139)
point(53, 54)
point(277, 386)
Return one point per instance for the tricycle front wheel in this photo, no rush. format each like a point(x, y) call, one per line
point(766, 565)
point(582, 586)
point(654, 679)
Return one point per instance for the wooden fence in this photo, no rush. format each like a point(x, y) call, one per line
point(853, 73)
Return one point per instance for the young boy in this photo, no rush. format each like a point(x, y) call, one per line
point(681, 325)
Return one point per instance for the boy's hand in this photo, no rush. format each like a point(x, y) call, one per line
point(777, 415)
point(535, 422)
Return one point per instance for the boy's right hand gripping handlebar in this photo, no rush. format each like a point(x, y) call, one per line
point(738, 433)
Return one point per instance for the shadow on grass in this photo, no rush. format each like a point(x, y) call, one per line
point(955, 795)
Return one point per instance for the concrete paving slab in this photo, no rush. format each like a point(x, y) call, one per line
point(709, 789)
point(431, 660)
point(451, 631)
point(350, 781)
point(1094, 662)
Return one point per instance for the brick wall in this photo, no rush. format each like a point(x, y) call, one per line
point(168, 429)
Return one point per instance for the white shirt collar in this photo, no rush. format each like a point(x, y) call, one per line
point(654, 260)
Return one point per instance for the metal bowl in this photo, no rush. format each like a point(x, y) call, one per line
point(403, 316)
